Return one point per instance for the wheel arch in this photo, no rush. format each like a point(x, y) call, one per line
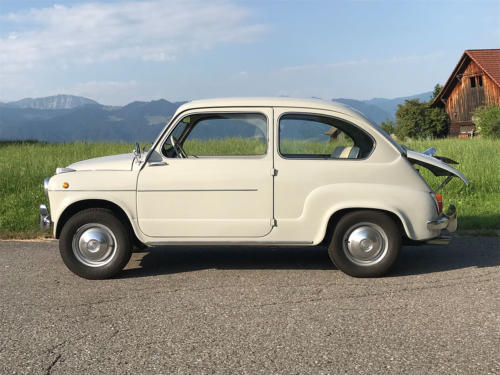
point(80, 205)
point(337, 215)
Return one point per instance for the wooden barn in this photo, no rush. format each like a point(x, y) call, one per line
point(474, 82)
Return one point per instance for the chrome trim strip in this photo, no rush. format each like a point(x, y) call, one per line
point(230, 243)
point(106, 191)
point(192, 190)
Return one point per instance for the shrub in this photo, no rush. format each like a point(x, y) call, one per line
point(487, 120)
point(418, 120)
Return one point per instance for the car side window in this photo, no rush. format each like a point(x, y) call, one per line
point(321, 137)
point(224, 134)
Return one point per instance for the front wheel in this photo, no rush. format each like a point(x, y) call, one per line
point(365, 243)
point(94, 244)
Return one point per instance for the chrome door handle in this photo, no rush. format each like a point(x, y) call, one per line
point(157, 163)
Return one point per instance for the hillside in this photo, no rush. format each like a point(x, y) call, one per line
point(52, 102)
point(381, 109)
point(67, 118)
point(137, 121)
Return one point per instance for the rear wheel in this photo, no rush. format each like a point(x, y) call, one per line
point(94, 244)
point(365, 243)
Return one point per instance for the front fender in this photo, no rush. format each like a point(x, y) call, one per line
point(116, 187)
point(62, 202)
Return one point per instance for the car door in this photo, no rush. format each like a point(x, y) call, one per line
point(317, 153)
point(223, 188)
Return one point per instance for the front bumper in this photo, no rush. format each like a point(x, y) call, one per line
point(44, 218)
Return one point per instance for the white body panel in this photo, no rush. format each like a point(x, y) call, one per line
point(206, 198)
point(236, 199)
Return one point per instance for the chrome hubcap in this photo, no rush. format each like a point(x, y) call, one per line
point(365, 244)
point(94, 245)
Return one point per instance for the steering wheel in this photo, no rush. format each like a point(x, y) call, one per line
point(178, 148)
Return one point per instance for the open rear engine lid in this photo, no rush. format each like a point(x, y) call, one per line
point(437, 166)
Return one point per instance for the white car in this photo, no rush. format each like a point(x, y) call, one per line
point(252, 171)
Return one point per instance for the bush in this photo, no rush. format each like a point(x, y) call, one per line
point(487, 120)
point(389, 126)
point(418, 120)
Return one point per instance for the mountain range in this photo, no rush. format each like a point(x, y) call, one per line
point(67, 118)
point(51, 102)
point(381, 109)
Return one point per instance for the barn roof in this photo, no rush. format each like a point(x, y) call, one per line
point(487, 59)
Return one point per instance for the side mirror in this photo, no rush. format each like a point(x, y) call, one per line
point(137, 153)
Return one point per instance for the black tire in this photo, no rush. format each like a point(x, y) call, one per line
point(371, 258)
point(110, 228)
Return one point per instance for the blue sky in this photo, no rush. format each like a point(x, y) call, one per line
point(119, 51)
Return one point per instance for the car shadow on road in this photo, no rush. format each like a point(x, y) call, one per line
point(176, 259)
point(465, 252)
point(414, 260)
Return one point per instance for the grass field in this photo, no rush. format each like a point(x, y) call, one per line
point(23, 166)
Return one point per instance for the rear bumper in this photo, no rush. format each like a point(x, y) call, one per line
point(446, 220)
point(44, 218)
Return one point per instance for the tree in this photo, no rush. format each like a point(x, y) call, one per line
point(418, 120)
point(389, 126)
point(487, 120)
point(436, 91)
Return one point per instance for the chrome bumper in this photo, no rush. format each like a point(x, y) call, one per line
point(44, 218)
point(446, 220)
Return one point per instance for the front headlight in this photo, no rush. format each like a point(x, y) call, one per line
point(46, 186)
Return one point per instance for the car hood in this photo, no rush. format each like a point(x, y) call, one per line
point(435, 165)
point(122, 162)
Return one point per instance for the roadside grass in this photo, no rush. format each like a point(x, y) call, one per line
point(478, 205)
point(24, 165)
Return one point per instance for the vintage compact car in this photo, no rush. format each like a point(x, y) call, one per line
point(252, 171)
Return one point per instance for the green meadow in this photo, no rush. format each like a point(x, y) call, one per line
point(24, 165)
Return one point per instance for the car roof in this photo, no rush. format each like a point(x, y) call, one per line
point(271, 102)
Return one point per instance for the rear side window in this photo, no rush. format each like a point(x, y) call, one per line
point(322, 137)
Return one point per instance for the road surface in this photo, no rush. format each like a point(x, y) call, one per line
point(252, 310)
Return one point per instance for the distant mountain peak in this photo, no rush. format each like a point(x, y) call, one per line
point(53, 102)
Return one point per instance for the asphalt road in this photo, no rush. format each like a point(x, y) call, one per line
point(252, 310)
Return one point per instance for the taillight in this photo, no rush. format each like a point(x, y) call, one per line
point(439, 199)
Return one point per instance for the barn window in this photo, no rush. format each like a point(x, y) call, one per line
point(480, 80)
point(472, 81)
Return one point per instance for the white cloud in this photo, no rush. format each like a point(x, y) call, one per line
point(364, 62)
point(142, 30)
